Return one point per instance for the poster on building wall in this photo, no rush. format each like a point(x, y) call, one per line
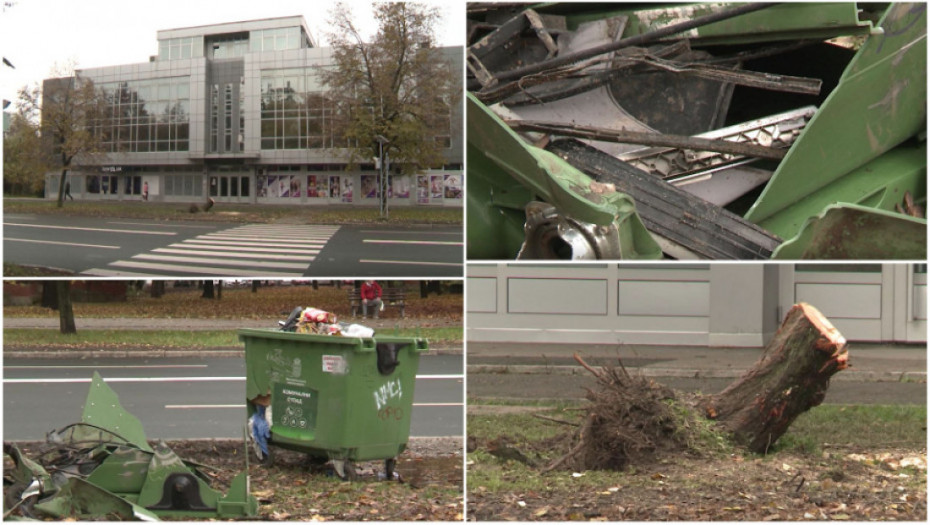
point(436, 186)
point(316, 186)
point(295, 186)
point(401, 187)
point(423, 189)
point(334, 182)
point(347, 188)
point(369, 187)
point(453, 185)
point(268, 186)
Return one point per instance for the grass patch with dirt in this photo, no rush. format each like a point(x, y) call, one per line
point(29, 338)
point(239, 213)
point(269, 302)
point(836, 462)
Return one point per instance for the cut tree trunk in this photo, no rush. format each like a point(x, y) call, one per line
point(791, 377)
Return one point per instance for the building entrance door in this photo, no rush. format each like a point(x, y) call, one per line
point(229, 188)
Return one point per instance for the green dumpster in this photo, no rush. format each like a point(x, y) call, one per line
point(344, 399)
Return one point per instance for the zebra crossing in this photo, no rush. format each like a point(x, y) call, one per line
point(264, 250)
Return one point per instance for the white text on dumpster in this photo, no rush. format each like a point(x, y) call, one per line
point(388, 391)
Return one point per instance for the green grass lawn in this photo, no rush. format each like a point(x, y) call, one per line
point(18, 338)
point(240, 213)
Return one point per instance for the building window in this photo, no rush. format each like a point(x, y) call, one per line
point(295, 111)
point(274, 39)
point(183, 185)
point(144, 115)
point(242, 114)
point(178, 48)
point(228, 119)
point(214, 117)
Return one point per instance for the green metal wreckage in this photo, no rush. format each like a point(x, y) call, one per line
point(632, 121)
point(103, 467)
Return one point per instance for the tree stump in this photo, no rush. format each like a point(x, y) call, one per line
point(791, 377)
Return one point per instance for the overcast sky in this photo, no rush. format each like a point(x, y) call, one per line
point(35, 35)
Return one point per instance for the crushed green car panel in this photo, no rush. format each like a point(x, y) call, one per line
point(498, 151)
point(103, 409)
point(879, 103)
point(848, 231)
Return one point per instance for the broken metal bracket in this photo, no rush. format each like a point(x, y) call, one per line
point(551, 235)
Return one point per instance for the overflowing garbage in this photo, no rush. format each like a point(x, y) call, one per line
point(697, 131)
point(103, 468)
point(315, 321)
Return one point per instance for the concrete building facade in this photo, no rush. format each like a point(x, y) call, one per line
point(735, 305)
point(238, 112)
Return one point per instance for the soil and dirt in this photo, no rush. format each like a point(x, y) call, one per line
point(295, 488)
point(840, 484)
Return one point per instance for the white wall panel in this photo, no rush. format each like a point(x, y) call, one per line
point(851, 301)
point(667, 298)
point(557, 296)
point(482, 294)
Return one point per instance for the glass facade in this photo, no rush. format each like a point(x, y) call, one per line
point(145, 115)
point(274, 39)
point(184, 185)
point(228, 46)
point(175, 48)
point(296, 113)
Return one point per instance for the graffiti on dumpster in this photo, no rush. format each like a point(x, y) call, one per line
point(386, 392)
point(282, 367)
point(295, 407)
point(389, 413)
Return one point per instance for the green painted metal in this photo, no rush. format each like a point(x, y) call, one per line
point(328, 397)
point(851, 232)
point(495, 151)
point(879, 103)
point(785, 22)
point(238, 501)
point(103, 409)
point(123, 471)
point(84, 500)
point(164, 462)
point(880, 183)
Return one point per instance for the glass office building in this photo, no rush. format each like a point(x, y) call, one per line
point(238, 112)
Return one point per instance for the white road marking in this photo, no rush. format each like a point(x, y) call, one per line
point(238, 255)
point(381, 261)
point(105, 230)
point(241, 406)
point(440, 376)
point(425, 243)
point(198, 245)
point(207, 260)
point(156, 225)
point(95, 367)
point(202, 240)
point(202, 270)
point(408, 232)
point(105, 272)
point(101, 246)
point(196, 379)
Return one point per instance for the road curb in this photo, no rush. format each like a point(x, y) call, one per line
point(860, 376)
point(165, 352)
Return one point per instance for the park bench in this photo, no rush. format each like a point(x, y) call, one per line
point(391, 297)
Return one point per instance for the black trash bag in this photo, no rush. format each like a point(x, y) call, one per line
point(290, 324)
point(387, 357)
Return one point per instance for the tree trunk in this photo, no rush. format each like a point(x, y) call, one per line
point(255, 285)
point(219, 289)
point(50, 295)
point(207, 290)
point(158, 288)
point(791, 377)
point(65, 313)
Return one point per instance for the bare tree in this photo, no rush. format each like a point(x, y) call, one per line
point(396, 86)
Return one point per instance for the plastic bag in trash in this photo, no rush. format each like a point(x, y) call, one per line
point(357, 330)
point(260, 429)
point(315, 315)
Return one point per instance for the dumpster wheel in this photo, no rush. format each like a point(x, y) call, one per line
point(389, 465)
point(345, 469)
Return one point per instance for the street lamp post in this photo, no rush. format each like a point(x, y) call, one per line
point(382, 175)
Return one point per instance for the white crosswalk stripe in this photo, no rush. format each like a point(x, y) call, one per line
point(252, 250)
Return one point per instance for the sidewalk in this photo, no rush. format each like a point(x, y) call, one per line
point(869, 362)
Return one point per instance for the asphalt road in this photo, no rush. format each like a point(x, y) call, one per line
point(571, 387)
point(40, 395)
point(132, 248)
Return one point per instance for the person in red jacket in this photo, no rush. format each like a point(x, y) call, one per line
point(371, 297)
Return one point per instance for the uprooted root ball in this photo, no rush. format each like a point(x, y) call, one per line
point(631, 419)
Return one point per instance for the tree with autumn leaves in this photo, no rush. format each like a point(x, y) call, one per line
point(397, 86)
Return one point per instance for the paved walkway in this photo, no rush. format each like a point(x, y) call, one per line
point(869, 362)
